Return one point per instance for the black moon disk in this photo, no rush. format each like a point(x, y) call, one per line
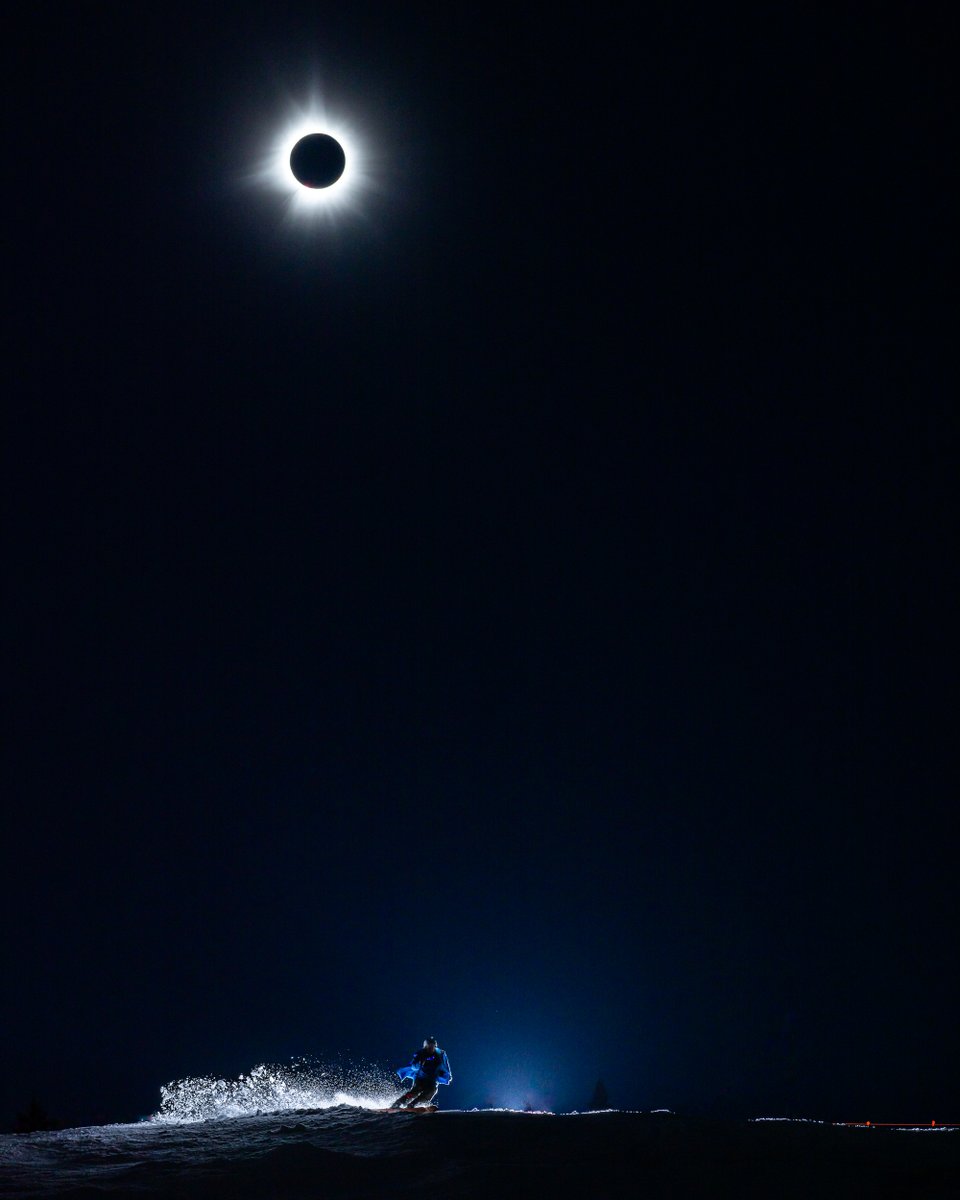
point(317, 160)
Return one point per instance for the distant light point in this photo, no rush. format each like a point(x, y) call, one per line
point(317, 160)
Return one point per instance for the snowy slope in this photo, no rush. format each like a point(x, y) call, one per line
point(348, 1151)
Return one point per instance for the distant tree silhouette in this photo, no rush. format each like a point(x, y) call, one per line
point(35, 1120)
point(600, 1097)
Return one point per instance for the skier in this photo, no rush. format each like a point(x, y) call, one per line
point(428, 1068)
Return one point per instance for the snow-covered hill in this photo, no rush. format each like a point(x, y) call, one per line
point(350, 1151)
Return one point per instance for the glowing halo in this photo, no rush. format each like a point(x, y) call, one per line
point(341, 199)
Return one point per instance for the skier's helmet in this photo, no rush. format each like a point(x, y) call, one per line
point(430, 1043)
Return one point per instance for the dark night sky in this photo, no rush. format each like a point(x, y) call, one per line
point(519, 609)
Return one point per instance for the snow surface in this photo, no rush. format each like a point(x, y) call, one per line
point(359, 1151)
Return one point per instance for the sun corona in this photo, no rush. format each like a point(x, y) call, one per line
point(318, 166)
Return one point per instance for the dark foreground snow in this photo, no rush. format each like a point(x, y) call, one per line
point(354, 1152)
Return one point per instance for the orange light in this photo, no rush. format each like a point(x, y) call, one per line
point(898, 1124)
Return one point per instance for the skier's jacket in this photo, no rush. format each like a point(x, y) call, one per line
point(428, 1064)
